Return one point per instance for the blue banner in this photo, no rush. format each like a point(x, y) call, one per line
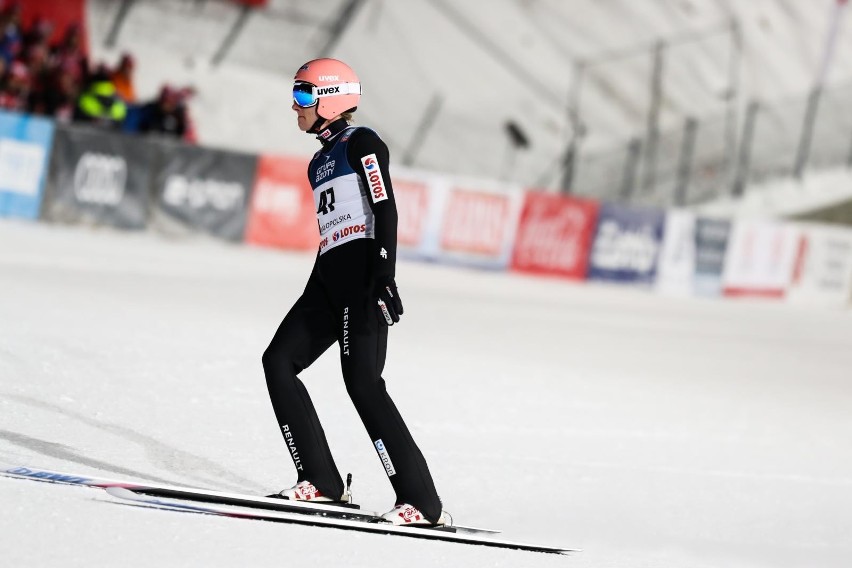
point(627, 244)
point(25, 143)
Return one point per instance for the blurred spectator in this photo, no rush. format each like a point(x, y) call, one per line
point(122, 78)
point(61, 96)
point(38, 34)
point(99, 103)
point(190, 134)
point(167, 114)
point(15, 89)
point(56, 80)
point(69, 55)
point(41, 74)
point(11, 39)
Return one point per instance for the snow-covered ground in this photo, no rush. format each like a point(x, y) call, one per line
point(648, 431)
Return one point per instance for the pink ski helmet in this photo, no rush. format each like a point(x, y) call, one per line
point(328, 83)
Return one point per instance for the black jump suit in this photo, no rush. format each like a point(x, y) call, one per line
point(357, 215)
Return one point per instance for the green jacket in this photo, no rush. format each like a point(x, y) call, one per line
point(100, 102)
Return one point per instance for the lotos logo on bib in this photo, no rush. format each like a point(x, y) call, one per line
point(348, 231)
point(374, 178)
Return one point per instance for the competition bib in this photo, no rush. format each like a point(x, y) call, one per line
point(341, 200)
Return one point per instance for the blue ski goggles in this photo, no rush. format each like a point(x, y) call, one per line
point(305, 94)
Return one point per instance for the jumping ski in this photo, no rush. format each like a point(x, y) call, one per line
point(447, 534)
point(221, 503)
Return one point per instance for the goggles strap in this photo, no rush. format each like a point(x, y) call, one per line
point(339, 89)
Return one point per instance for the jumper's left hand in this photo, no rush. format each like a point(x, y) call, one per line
point(389, 302)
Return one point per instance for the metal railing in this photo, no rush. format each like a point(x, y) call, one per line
point(700, 160)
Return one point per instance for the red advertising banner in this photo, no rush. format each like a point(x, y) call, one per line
point(282, 207)
point(555, 235)
point(761, 259)
point(412, 205)
point(476, 222)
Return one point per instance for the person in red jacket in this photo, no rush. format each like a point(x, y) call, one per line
point(15, 88)
point(351, 299)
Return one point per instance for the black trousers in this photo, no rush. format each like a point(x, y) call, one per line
point(337, 306)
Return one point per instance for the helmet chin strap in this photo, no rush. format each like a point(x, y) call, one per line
point(315, 128)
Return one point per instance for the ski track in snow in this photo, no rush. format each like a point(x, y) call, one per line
point(648, 431)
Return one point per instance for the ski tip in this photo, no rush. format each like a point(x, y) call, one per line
point(569, 550)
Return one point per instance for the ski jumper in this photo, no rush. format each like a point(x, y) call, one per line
point(357, 217)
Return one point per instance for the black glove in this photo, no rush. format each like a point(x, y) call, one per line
point(389, 302)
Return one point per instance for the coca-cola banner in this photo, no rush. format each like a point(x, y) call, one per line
point(100, 178)
point(282, 205)
point(554, 235)
point(627, 244)
point(204, 189)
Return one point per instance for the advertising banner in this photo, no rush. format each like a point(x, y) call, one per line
point(822, 272)
point(626, 244)
point(204, 189)
point(676, 264)
point(420, 200)
point(554, 235)
point(413, 200)
point(282, 205)
point(100, 178)
point(711, 244)
point(760, 259)
point(25, 143)
point(478, 224)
